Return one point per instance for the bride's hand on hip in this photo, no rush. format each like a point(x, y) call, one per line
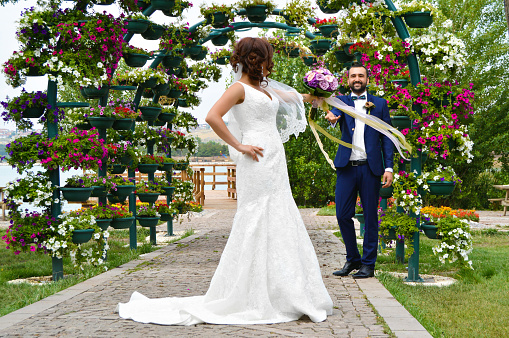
point(250, 150)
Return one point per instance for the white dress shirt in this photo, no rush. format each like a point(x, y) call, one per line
point(358, 133)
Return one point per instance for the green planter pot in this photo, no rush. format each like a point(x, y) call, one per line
point(200, 56)
point(165, 5)
point(125, 160)
point(76, 194)
point(401, 122)
point(342, 57)
point(346, 48)
point(292, 52)
point(180, 166)
point(166, 117)
point(220, 40)
point(123, 124)
point(112, 199)
point(386, 192)
point(360, 218)
point(392, 235)
point(222, 60)
point(150, 83)
point(147, 168)
point(217, 19)
point(162, 89)
point(443, 188)
point(173, 71)
point(103, 223)
point(151, 143)
point(430, 230)
point(166, 217)
point(166, 167)
point(148, 197)
point(94, 93)
point(150, 114)
point(73, 104)
point(101, 122)
point(418, 19)
point(171, 61)
point(84, 126)
point(122, 223)
point(153, 32)
point(33, 112)
point(309, 60)
point(159, 123)
point(168, 191)
point(183, 103)
point(99, 191)
point(193, 50)
point(35, 71)
point(400, 83)
point(326, 9)
point(137, 26)
point(256, 14)
point(82, 236)
point(123, 191)
point(329, 31)
point(136, 60)
point(116, 169)
point(174, 93)
point(320, 47)
point(147, 221)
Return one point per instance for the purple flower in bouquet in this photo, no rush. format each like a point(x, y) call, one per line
point(321, 79)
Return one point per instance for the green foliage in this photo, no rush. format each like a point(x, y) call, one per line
point(211, 148)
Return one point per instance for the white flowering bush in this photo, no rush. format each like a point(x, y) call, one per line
point(442, 51)
point(441, 173)
point(35, 189)
point(455, 241)
point(406, 191)
point(136, 76)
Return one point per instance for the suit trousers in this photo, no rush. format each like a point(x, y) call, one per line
point(353, 180)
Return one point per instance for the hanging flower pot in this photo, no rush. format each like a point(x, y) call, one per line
point(116, 169)
point(200, 56)
point(162, 89)
point(99, 191)
point(125, 160)
point(430, 230)
point(122, 223)
point(402, 83)
point(180, 166)
point(171, 61)
point(386, 192)
point(392, 234)
point(444, 188)
point(150, 114)
point(123, 124)
point(150, 83)
point(291, 51)
point(346, 48)
point(82, 236)
point(165, 167)
point(103, 223)
point(104, 2)
point(257, 14)
point(84, 126)
point(320, 47)
point(323, 5)
point(167, 117)
point(168, 191)
point(147, 221)
point(76, 194)
point(220, 40)
point(33, 112)
point(147, 168)
point(136, 60)
point(101, 122)
point(222, 60)
point(193, 50)
point(173, 71)
point(35, 71)
point(217, 19)
point(360, 218)
point(401, 122)
point(342, 56)
point(159, 123)
point(122, 191)
point(418, 19)
point(329, 31)
point(166, 217)
point(153, 32)
point(94, 93)
point(174, 93)
point(183, 103)
point(309, 60)
point(112, 199)
point(148, 197)
point(165, 5)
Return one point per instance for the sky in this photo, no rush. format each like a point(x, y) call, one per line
point(11, 13)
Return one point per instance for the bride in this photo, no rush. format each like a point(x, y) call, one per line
point(268, 271)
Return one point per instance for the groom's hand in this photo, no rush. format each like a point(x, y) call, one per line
point(331, 117)
point(387, 179)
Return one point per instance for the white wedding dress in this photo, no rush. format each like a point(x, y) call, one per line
point(268, 272)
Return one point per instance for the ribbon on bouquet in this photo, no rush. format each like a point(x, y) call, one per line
point(392, 133)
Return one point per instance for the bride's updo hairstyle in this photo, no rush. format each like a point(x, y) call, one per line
point(252, 53)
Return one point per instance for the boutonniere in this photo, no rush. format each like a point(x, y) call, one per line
point(369, 105)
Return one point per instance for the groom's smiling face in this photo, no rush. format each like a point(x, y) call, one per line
point(357, 80)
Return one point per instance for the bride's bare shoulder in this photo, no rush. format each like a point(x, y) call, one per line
point(236, 91)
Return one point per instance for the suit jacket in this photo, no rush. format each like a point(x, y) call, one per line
point(377, 144)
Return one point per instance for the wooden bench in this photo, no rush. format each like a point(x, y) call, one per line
point(503, 201)
point(232, 181)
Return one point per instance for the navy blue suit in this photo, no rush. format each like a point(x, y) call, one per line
point(363, 180)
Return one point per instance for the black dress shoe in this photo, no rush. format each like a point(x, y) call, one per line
point(364, 272)
point(349, 267)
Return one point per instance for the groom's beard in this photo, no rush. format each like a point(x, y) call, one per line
point(360, 89)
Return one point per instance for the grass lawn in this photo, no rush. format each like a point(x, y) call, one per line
point(327, 211)
point(477, 305)
point(24, 265)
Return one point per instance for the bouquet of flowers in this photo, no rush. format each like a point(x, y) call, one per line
point(320, 82)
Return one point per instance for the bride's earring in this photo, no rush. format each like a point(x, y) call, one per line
point(262, 72)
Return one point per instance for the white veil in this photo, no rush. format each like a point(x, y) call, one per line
point(291, 115)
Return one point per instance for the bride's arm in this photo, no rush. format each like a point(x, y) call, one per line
point(232, 96)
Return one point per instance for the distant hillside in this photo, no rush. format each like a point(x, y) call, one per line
point(206, 135)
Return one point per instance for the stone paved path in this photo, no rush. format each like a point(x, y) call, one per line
point(185, 269)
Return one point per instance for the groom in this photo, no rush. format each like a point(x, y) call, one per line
point(359, 170)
